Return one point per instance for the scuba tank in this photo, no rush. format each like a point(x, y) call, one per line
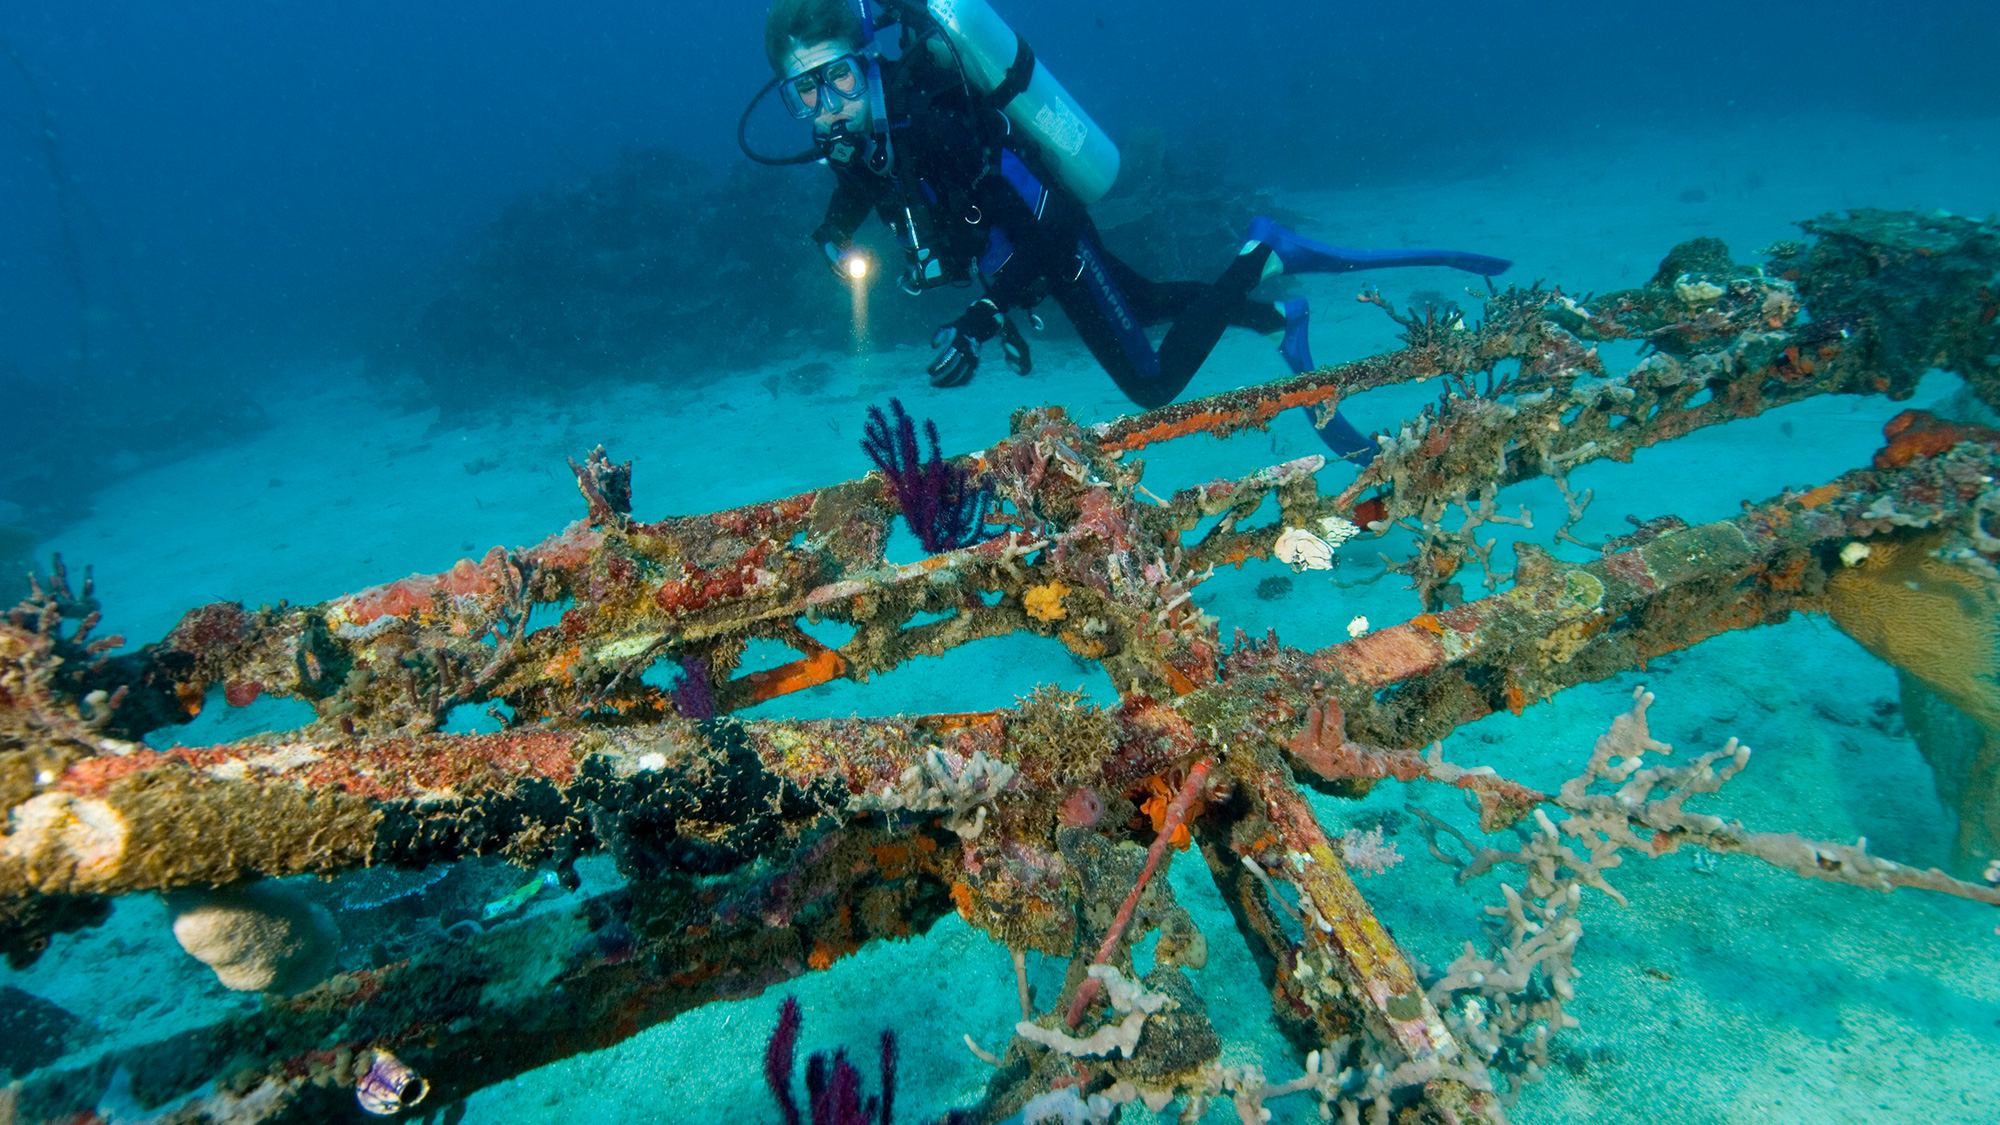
point(1001, 65)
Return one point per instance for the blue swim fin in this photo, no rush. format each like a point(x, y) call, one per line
point(1303, 255)
point(1347, 443)
point(1296, 349)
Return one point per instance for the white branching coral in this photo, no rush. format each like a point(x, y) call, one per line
point(1130, 999)
point(1495, 1004)
point(962, 788)
point(1367, 852)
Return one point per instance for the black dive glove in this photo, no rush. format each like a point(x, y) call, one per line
point(957, 344)
point(1015, 346)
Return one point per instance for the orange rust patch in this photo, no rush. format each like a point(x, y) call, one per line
point(1428, 621)
point(415, 593)
point(1238, 555)
point(1517, 700)
point(92, 776)
point(961, 897)
point(1815, 497)
point(799, 675)
point(946, 722)
point(759, 517)
point(1223, 421)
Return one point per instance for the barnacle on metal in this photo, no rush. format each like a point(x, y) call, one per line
point(756, 850)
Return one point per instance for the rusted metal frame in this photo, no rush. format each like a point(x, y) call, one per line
point(1343, 939)
point(425, 621)
point(728, 559)
point(1414, 682)
point(1470, 654)
point(953, 580)
point(1353, 932)
point(1471, 442)
point(1450, 452)
point(412, 632)
point(1532, 326)
point(323, 804)
point(467, 1013)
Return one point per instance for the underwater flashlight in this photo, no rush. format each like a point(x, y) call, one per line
point(856, 266)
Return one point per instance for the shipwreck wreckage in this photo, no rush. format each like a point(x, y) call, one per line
point(755, 850)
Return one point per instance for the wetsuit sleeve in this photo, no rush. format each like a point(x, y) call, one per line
point(845, 213)
point(1014, 289)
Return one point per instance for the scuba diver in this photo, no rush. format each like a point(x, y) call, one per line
point(980, 163)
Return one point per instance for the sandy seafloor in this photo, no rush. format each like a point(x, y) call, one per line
point(1738, 994)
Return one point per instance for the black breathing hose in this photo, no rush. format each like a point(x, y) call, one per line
point(807, 156)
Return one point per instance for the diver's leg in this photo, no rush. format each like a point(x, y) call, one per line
point(1155, 301)
point(1293, 254)
point(1200, 324)
point(1263, 317)
point(1161, 301)
point(1111, 329)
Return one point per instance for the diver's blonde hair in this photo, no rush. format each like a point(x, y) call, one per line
point(808, 21)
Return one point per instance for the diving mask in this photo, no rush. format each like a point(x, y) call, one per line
point(825, 87)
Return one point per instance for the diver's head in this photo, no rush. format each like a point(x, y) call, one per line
point(827, 83)
point(815, 46)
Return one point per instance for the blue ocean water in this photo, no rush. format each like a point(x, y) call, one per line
point(245, 239)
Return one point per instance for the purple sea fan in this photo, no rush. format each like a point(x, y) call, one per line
point(833, 1086)
point(938, 499)
point(692, 694)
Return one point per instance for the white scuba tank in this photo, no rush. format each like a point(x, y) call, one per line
point(1075, 149)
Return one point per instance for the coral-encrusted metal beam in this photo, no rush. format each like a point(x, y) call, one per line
point(323, 802)
point(479, 1008)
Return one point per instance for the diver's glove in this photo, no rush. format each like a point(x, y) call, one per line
point(836, 256)
point(1015, 347)
point(957, 344)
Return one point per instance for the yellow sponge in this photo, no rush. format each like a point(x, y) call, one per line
point(1940, 625)
point(259, 937)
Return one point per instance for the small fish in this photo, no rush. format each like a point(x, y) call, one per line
point(516, 899)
